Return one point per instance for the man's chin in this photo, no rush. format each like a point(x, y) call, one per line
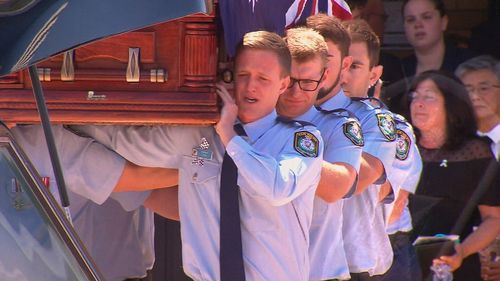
point(251, 114)
point(325, 92)
point(322, 93)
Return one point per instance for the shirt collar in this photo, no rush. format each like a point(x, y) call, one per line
point(308, 115)
point(494, 134)
point(340, 100)
point(257, 128)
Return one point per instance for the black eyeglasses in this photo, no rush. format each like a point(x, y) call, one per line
point(307, 85)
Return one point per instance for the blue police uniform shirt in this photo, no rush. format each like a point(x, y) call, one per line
point(120, 241)
point(343, 144)
point(277, 186)
point(366, 244)
point(405, 173)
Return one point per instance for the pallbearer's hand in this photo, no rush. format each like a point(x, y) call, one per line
point(228, 116)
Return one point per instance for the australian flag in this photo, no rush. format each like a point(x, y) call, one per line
point(242, 16)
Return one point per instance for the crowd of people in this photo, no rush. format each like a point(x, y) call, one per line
point(308, 175)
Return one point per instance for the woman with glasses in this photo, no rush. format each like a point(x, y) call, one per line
point(455, 161)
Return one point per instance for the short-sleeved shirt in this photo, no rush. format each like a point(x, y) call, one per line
point(277, 176)
point(343, 144)
point(405, 172)
point(78, 158)
point(366, 243)
point(120, 242)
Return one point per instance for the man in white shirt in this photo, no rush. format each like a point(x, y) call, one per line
point(481, 77)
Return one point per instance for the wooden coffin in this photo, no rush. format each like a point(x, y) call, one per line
point(163, 74)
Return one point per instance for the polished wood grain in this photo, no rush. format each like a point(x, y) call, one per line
point(184, 49)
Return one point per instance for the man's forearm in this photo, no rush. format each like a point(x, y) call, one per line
point(138, 178)
point(336, 181)
point(370, 171)
point(164, 202)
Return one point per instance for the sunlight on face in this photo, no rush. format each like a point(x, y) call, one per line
point(258, 82)
point(305, 76)
point(427, 107)
point(357, 79)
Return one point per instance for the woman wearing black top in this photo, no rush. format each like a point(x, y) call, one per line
point(454, 162)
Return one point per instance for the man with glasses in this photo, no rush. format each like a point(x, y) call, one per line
point(481, 77)
point(342, 154)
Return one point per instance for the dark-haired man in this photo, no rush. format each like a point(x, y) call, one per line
point(363, 248)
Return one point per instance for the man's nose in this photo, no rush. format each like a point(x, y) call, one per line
point(251, 84)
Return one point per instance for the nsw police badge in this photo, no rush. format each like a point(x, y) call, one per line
point(306, 144)
point(387, 126)
point(403, 143)
point(353, 132)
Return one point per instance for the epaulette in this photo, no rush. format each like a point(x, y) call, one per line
point(373, 101)
point(361, 101)
point(401, 122)
point(293, 122)
point(399, 118)
point(339, 111)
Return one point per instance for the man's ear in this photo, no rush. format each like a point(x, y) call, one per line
point(285, 81)
point(325, 76)
point(375, 74)
point(345, 66)
point(346, 63)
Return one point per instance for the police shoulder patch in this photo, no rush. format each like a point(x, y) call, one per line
point(306, 143)
point(403, 143)
point(386, 125)
point(352, 130)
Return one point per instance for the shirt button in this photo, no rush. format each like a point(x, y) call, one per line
point(195, 176)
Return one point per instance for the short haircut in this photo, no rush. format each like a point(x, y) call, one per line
point(332, 30)
point(306, 44)
point(484, 62)
point(361, 32)
point(438, 4)
point(460, 121)
point(267, 41)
